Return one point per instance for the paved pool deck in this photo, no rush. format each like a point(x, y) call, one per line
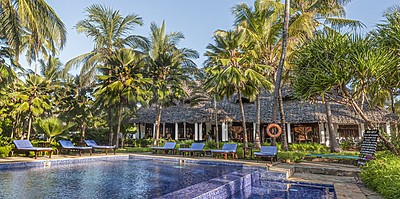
point(342, 177)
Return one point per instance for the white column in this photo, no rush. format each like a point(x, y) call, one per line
point(335, 128)
point(254, 130)
point(154, 129)
point(201, 131)
point(388, 128)
point(223, 131)
point(163, 129)
point(289, 133)
point(226, 132)
point(321, 132)
point(362, 130)
point(184, 129)
point(176, 131)
point(196, 132)
point(327, 134)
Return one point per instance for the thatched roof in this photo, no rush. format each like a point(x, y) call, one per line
point(296, 111)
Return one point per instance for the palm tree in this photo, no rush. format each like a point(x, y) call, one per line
point(169, 67)
point(231, 71)
point(110, 31)
point(34, 18)
point(52, 69)
point(125, 85)
point(263, 28)
point(387, 36)
point(341, 68)
point(34, 98)
point(52, 127)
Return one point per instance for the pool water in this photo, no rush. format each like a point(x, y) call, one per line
point(107, 179)
point(146, 178)
point(284, 190)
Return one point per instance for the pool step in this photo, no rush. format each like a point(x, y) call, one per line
point(221, 187)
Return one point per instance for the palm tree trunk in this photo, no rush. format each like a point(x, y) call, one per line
point(284, 143)
point(281, 62)
point(216, 122)
point(393, 108)
point(158, 121)
point(334, 145)
point(83, 134)
point(29, 126)
point(243, 120)
point(119, 123)
point(387, 142)
point(257, 143)
point(110, 125)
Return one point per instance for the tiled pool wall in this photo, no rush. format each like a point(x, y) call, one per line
point(44, 163)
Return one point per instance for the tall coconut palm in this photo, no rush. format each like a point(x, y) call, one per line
point(125, 85)
point(168, 66)
point(110, 31)
point(231, 71)
point(34, 18)
point(262, 26)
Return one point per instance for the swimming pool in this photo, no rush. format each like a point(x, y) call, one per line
point(141, 177)
point(107, 179)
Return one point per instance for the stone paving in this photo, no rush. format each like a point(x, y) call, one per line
point(342, 177)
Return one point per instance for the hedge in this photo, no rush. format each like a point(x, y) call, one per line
point(383, 175)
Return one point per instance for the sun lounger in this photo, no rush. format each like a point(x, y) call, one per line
point(268, 151)
point(68, 146)
point(196, 147)
point(226, 149)
point(25, 145)
point(93, 144)
point(168, 146)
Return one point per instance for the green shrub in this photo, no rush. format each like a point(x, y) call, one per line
point(383, 175)
point(210, 144)
point(135, 149)
point(5, 141)
point(312, 147)
point(5, 150)
point(292, 156)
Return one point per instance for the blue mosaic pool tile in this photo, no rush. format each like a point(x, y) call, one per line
point(44, 163)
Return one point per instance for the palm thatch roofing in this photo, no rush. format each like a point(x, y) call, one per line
point(295, 111)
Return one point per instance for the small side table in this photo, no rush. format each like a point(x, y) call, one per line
point(244, 152)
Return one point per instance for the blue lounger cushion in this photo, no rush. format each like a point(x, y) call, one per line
point(93, 144)
point(267, 151)
point(227, 148)
point(27, 146)
point(194, 147)
point(66, 144)
point(167, 145)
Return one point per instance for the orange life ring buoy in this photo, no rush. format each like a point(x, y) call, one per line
point(274, 126)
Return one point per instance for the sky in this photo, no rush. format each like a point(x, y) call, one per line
point(197, 20)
